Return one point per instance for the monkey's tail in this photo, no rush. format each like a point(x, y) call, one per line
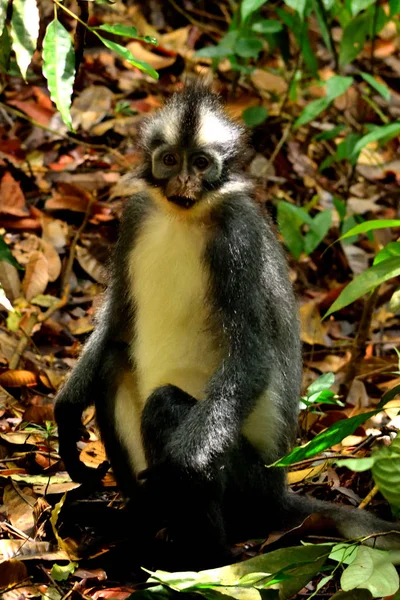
point(351, 523)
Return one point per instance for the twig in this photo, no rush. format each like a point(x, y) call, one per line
point(368, 498)
point(42, 317)
point(278, 147)
point(80, 33)
point(358, 349)
point(120, 159)
point(374, 24)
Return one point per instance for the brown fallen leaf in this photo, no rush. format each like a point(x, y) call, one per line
point(93, 454)
point(9, 279)
point(29, 550)
point(12, 572)
point(91, 265)
point(12, 199)
point(91, 106)
point(80, 326)
point(313, 331)
point(16, 378)
point(19, 505)
point(268, 82)
point(53, 260)
point(54, 232)
point(36, 275)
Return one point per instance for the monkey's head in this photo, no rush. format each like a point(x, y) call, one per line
point(192, 149)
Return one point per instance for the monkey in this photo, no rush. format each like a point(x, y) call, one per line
point(195, 362)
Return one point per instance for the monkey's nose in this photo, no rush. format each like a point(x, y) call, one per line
point(183, 178)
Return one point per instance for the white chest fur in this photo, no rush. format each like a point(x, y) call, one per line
point(169, 281)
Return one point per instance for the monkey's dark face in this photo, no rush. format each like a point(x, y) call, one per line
point(184, 175)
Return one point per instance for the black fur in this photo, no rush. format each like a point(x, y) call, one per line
point(205, 481)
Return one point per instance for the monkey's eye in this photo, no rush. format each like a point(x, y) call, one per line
point(169, 160)
point(201, 162)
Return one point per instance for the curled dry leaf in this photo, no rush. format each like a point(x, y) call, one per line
point(15, 378)
point(9, 279)
point(54, 232)
point(268, 82)
point(12, 200)
point(91, 265)
point(36, 275)
point(93, 454)
point(154, 60)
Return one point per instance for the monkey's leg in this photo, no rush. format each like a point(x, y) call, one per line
point(192, 507)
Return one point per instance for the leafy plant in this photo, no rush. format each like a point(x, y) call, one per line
point(292, 220)
point(21, 36)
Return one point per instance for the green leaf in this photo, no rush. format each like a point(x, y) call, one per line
point(24, 32)
point(337, 85)
point(330, 133)
point(248, 7)
point(381, 88)
point(62, 572)
point(370, 226)
point(323, 24)
point(356, 464)
point(390, 250)
point(6, 255)
point(394, 7)
point(224, 48)
point(353, 595)
point(254, 115)
point(353, 39)
point(59, 67)
point(385, 131)
point(312, 110)
point(127, 55)
point(371, 570)
point(298, 5)
point(344, 553)
point(321, 225)
point(267, 26)
point(331, 436)
point(386, 473)
point(290, 229)
point(340, 206)
point(3, 13)
point(5, 50)
point(248, 47)
point(366, 282)
point(126, 31)
point(359, 5)
point(324, 382)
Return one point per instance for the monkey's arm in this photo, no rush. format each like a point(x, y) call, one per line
point(247, 280)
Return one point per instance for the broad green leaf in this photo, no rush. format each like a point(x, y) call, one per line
point(292, 567)
point(62, 572)
point(127, 55)
point(359, 5)
point(386, 473)
point(323, 382)
point(331, 436)
point(224, 48)
point(391, 249)
point(370, 226)
point(321, 225)
point(371, 570)
point(5, 254)
point(254, 115)
point(248, 7)
point(340, 206)
point(337, 85)
point(3, 13)
point(126, 31)
point(381, 88)
point(357, 464)
point(24, 32)
point(389, 395)
point(344, 553)
point(390, 131)
point(323, 24)
point(267, 26)
point(248, 47)
point(366, 282)
point(394, 7)
point(289, 228)
point(353, 39)
point(59, 67)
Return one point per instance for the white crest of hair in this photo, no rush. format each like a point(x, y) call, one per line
point(166, 122)
point(214, 129)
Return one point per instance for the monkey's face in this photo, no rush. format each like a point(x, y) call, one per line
point(185, 175)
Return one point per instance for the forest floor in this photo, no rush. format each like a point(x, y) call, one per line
point(59, 215)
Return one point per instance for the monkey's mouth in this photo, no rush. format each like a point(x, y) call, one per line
point(182, 201)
